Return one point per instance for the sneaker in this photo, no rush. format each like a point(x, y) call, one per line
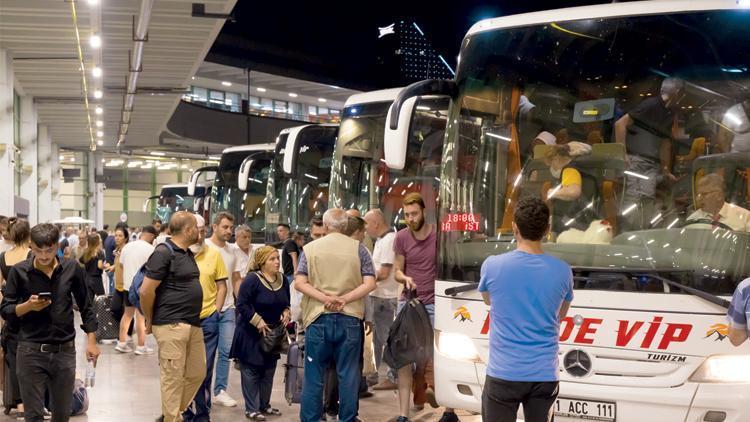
point(402, 419)
point(449, 417)
point(385, 385)
point(123, 348)
point(20, 416)
point(225, 399)
point(255, 416)
point(143, 350)
point(109, 341)
point(431, 398)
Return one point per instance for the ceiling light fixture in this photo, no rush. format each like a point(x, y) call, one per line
point(96, 72)
point(100, 142)
point(225, 83)
point(322, 100)
point(93, 2)
point(99, 110)
point(99, 133)
point(158, 154)
point(99, 123)
point(293, 95)
point(95, 41)
point(261, 89)
point(98, 94)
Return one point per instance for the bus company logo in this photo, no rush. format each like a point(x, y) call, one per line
point(718, 332)
point(577, 363)
point(462, 313)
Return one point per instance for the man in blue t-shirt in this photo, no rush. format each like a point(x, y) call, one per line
point(738, 313)
point(528, 293)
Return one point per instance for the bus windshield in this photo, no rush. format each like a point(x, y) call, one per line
point(360, 178)
point(247, 207)
point(295, 199)
point(175, 198)
point(634, 130)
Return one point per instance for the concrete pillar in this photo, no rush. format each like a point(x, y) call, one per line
point(95, 190)
point(44, 174)
point(7, 175)
point(55, 181)
point(29, 178)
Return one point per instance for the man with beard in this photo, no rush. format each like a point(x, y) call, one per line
point(171, 299)
point(416, 268)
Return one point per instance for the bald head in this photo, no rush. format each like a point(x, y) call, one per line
point(335, 220)
point(353, 212)
point(376, 224)
point(184, 229)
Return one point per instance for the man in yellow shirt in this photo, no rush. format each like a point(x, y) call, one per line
point(213, 277)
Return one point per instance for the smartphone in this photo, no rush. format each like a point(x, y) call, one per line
point(45, 295)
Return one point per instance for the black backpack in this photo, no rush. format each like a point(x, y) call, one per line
point(410, 339)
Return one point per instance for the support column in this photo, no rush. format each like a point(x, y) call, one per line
point(29, 158)
point(55, 182)
point(7, 174)
point(95, 190)
point(44, 174)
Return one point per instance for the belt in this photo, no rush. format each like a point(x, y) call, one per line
point(48, 348)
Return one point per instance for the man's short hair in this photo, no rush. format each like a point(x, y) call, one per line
point(713, 180)
point(672, 86)
point(222, 215)
point(156, 220)
point(283, 225)
point(179, 222)
point(532, 218)
point(106, 227)
point(45, 234)
point(298, 235)
point(336, 220)
point(149, 230)
point(243, 228)
point(353, 225)
point(316, 221)
point(414, 198)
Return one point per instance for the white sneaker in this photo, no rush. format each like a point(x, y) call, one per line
point(225, 399)
point(143, 350)
point(123, 348)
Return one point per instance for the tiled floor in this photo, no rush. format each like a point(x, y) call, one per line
point(127, 389)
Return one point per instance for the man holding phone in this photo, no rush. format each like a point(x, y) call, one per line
point(39, 295)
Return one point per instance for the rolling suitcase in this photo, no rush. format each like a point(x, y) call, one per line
point(294, 372)
point(108, 329)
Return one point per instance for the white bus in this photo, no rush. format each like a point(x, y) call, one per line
point(300, 177)
point(645, 338)
point(359, 177)
point(249, 164)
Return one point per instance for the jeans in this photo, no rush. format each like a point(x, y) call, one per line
point(257, 385)
point(226, 334)
point(500, 400)
point(44, 371)
point(202, 401)
point(383, 314)
point(332, 337)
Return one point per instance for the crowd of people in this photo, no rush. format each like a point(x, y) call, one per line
point(208, 302)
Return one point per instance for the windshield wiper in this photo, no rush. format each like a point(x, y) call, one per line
point(453, 291)
point(716, 300)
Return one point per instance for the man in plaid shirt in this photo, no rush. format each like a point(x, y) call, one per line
point(738, 313)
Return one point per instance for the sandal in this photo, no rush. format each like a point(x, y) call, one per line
point(272, 412)
point(255, 416)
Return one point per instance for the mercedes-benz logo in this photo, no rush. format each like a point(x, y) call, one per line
point(577, 363)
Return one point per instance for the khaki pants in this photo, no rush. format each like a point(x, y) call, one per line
point(182, 363)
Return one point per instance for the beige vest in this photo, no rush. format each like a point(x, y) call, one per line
point(333, 268)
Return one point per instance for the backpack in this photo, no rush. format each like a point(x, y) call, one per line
point(134, 293)
point(410, 338)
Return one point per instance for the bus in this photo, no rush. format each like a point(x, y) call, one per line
point(359, 177)
point(175, 198)
point(646, 335)
point(300, 176)
point(240, 186)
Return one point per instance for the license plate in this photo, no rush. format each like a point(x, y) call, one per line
point(586, 409)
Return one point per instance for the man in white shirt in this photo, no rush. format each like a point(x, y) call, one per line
point(132, 257)
point(72, 237)
point(222, 232)
point(384, 299)
point(713, 207)
point(243, 240)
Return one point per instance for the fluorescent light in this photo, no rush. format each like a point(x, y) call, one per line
point(261, 89)
point(99, 133)
point(322, 100)
point(629, 209)
point(423, 108)
point(93, 2)
point(311, 176)
point(293, 95)
point(98, 94)
point(100, 142)
point(214, 157)
point(158, 154)
point(192, 78)
point(494, 135)
point(225, 83)
point(96, 72)
point(634, 174)
point(99, 123)
point(95, 41)
point(99, 110)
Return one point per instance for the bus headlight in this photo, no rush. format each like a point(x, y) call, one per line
point(729, 368)
point(457, 346)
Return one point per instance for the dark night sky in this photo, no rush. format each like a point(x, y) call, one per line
point(335, 42)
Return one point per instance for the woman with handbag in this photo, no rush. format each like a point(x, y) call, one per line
point(262, 315)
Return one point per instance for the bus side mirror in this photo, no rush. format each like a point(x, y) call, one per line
point(192, 182)
point(291, 150)
point(244, 173)
point(396, 139)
